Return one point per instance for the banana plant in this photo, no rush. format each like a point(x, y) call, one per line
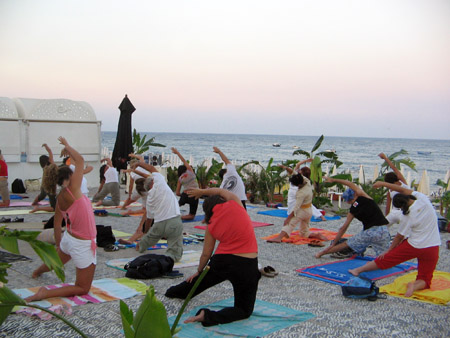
point(316, 166)
point(141, 145)
point(269, 178)
point(397, 161)
point(205, 174)
point(318, 158)
point(47, 252)
point(151, 317)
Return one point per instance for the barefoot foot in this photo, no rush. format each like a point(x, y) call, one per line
point(199, 318)
point(354, 272)
point(409, 289)
point(41, 294)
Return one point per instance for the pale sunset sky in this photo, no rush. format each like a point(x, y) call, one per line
point(375, 68)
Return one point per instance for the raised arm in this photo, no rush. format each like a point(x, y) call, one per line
point(186, 163)
point(394, 187)
point(108, 162)
point(393, 167)
point(225, 194)
point(349, 184)
point(145, 166)
point(88, 169)
point(222, 155)
point(290, 171)
point(78, 161)
point(50, 153)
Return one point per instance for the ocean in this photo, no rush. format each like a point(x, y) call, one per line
point(430, 155)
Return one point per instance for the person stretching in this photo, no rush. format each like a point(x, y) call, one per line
point(423, 240)
point(301, 213)
point(363, 208)
point(235, 258)
point(79, 239)
point(109, 184)
point(230, 178)
point(186, 181)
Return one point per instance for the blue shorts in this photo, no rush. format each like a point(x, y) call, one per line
point(377, 236)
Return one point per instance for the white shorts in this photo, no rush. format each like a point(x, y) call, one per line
point(79, 250)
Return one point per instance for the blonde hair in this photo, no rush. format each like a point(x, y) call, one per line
point(50, 179)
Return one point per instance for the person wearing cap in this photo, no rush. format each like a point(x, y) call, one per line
point(375, 232)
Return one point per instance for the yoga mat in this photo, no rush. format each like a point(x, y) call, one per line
point(102, 290)
point(266, 319)
point(337, 272)
point(283, 213)
point(8, 257)
point(190, 258)
point(15, 197)
point(26, 204)
point(328, 218)
point(438, 293)
point(274, 212)
point(255, 225)
point(296, 239)
point(118, 233)
point(197, 218)
point(24, 226)
point(100, 207)
point(21, 212)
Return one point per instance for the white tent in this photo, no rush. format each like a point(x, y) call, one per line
point(25, 124)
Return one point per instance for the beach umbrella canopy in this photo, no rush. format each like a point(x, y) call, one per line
point(424, 184)
point(361, 175)
point(124, 139)
point(375, 173)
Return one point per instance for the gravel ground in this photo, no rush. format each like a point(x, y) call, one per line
point(335, 315)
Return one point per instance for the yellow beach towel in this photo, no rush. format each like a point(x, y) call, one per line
point(439, 293)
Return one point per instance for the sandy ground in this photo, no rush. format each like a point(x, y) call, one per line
point(335, 314)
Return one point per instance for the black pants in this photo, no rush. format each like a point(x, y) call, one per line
point(192, 201)
point(243, 274)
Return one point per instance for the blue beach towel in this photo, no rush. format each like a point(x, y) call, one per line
point(266, 318)
point(337, 272)
point(197, 218)
point(283, 213)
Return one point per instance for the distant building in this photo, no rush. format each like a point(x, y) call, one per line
point(25, 124)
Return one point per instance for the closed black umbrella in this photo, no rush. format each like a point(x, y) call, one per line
point(124, 139)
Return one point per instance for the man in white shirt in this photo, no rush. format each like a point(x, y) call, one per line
point(162, 206)
point(231, 180)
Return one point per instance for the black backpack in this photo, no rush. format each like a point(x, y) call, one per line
point(17, 187)
point(360, 288)
point(105, 236)
point(149, 266)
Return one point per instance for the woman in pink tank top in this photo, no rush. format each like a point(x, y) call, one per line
point(78, 242)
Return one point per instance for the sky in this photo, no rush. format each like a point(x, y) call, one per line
point(302, 67)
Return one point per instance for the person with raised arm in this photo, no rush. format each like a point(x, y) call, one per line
point(395, 177)
point(230, 178)
point(301, 212)
point(4, 188)
point(417, 237)
point(186, 181)
point(79, 240)
point(235, 258)
point(135, 174)
point(48, 186)
point(162, 207)
point(305, 171)
point(109, 184)
point(364, 209)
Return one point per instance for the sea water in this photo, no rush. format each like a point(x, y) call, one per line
point(430, 155)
